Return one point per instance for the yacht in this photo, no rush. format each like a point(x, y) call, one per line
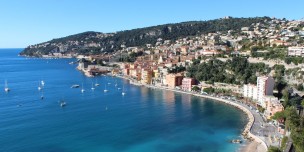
point(62, 104)
point(75, 86)
point(6, 89)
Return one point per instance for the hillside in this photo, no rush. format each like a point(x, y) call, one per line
point(96, 42)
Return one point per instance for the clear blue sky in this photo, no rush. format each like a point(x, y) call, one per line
point(25, 22)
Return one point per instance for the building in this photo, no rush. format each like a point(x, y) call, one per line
point(146, 76)
point(296, 51)
point(265, 87)
point(257, 92)
point(273, 106)
point(187, 83)
point(184, 50)
point(174, 80)
point(250, 91)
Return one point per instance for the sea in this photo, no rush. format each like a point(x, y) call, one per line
point(143, 120)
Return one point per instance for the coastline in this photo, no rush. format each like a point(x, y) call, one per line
point(253, 144)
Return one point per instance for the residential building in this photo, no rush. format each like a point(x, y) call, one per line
point(273, 106)
point(187, 83)
point(296, 51)
point(146, 76)
point(250, 91)
point(265, 87)
point(174, 80)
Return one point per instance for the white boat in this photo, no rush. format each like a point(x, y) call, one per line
point(75, 86)
point(62, 104)
point(123, 91)
point(42, 83)
point(92, 86)
point(82, 90)
point(96, 84)
point(105, 90)
point(6, 89)
point(39, 87)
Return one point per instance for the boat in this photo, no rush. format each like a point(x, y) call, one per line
point(82, 90)
point(96, 84)
point(6, 89)
point(42, 83)
point(105, 90)
point(75, 86)
point(39, 87)
point(123, 91)
point(236, 141)
point(92, 86)
point(62, 104)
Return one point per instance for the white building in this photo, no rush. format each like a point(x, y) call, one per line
point(265, 87)
point(296, 51)
point(250, 91)
point(258, 92)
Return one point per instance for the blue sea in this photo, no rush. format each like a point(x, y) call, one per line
point(144, 120)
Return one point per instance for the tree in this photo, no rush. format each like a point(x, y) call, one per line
point(195, 88)
point(286, 98)
point(274, 149)
point(279, 116)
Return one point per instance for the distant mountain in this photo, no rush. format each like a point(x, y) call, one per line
point(96, 42)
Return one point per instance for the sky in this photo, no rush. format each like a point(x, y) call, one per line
point(27, 22)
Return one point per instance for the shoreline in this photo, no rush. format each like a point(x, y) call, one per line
point(252, 141)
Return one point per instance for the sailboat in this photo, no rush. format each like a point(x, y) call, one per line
point(6, 89)
point(82, 90)
point(116, 84)
point(105, 90)
point(123, 91)
point(39, 87)
point(42, 83)
point(93, 87)
point(96, 84)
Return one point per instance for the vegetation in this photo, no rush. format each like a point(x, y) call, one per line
point(177, 69)
point(130, 57)
point(293, 121)
point(211, 90)
point(140, 37)
point(235, 71)
point(273, 149)
point(284, 142)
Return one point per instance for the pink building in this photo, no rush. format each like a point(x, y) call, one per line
point(273, 106)
point(187, 84)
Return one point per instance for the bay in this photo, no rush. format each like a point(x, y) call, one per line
point(143, 120)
